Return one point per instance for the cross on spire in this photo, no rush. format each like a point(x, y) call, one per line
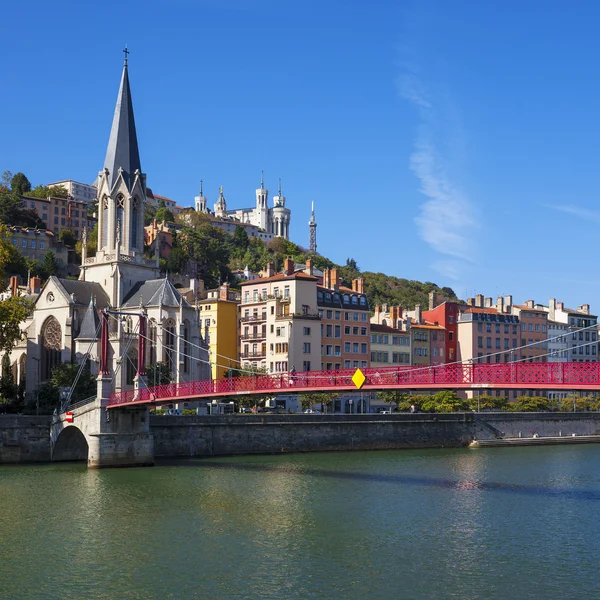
point(126, 53)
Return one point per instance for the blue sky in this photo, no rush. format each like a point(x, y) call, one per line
point(454, 142)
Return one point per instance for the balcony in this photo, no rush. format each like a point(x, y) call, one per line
point(254, 336)
point(309, 316)
point(254, 318)
point(257, 354)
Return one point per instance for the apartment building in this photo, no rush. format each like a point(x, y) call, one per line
point(444, 312)
point(82, 192)
point(279, 323)
point(35, 243)
point(533, 346)
point(219, 321)
point(61, 213)
point(390, 347)
point(582, 335)
point(345, 324)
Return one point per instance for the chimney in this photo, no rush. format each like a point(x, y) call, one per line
point(288, 266)
point(35, 284)
point(500, 304)
point(529, 303)
point(360, 285)
point(377, 314)
point(270, 270)
point(584, 308)
point(224, 292)
point(508, 302)
point(327, 279)
point(14, 285)
point(354, 285)
point(560, 306)
point(309, 266)
point(471, 301)
point(488, 302)
point(334, 279)
point(417, 313)
point(432, 300)
point(479, 300)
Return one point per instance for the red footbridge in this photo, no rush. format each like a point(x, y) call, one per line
point(576, 376)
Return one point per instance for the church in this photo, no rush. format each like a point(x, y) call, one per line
point(273, 221)
point(65, 323)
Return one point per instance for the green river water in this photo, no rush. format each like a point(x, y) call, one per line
point(481, 523)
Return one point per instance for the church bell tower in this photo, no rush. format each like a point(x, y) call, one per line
point(119, 262)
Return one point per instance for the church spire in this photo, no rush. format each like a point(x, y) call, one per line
point(122, 152)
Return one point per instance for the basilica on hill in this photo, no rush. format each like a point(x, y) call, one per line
point(65, 323)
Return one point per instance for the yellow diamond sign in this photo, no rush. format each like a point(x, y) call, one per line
point(358, 379)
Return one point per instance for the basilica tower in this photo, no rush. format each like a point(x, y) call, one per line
point(119, 262)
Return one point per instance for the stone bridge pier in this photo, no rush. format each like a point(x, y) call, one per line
point(106, 438)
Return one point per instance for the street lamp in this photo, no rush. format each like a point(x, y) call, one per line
point(350, 403)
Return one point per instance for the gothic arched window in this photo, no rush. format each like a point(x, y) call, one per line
point(120, 211)
point(152, 341)
point(104, 240)
point(134, 222)
point(169, 343)
point(51, 347)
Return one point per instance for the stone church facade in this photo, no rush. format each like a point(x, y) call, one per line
point(65, 323)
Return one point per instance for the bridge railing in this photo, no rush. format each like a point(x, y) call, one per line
point(451, 375)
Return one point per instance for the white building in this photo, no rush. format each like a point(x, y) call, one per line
point(274, 221)
point(84, 192)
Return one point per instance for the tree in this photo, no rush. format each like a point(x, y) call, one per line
point(13, 312)
point(8, 388)
point(43, 191)
point(400, 399)
point(311, 399)
point(19, 184)
point(164, 214)
point(92, 242)
point(530, 404)
point(487, 402)
point(67, 237)
point(176, 261)
point(12, 212)
point(445, 401)
point(63, 376)
point(49, 265)
point(158, 374)
point(240, 240)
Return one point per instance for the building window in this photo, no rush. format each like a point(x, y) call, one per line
point(306, 330)
point(306, 349)
point(306, 365)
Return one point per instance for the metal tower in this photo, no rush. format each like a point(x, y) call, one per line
point(312, 224)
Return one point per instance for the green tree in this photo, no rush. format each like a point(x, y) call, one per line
point(8, 388)
point(176, 261)
point(316, 399)
point(487, 402)
point(158, 374)
point(92, 242)
point(574, 403)
point(445, 401)
point(240, 240)
point(530, 404)
point(64, 375)
point(12, 212)
point(19, 184)
point(43, 191)
point(400, 399)
point(67, 237)
point(164, 214)
point(49, 265)
point(13, 312)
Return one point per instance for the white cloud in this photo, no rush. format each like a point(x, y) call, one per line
point(577, 211)
point(446, 221)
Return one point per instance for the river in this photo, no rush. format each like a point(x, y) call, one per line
point(480, 523)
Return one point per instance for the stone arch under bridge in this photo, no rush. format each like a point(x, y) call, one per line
point(115, 438)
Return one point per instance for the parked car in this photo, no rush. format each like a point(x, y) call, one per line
point(310, 411)
point(245, 409)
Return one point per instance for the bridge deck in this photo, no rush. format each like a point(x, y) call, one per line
point(503, 376)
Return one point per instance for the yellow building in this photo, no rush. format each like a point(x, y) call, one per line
point(219, 315)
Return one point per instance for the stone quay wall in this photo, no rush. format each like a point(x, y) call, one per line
point(498, 425)
point(24, 439)
point(199, 436)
